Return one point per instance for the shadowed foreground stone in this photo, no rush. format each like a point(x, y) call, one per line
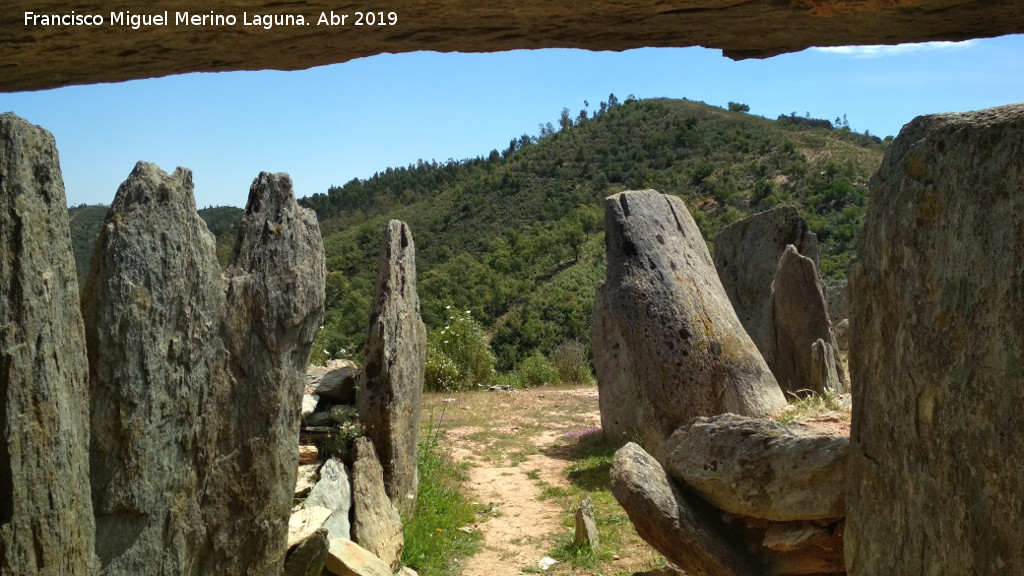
point(667, 345)
point(687, 535)
point(196, 377)
point(391, 386)
point(46, 519)
point(38, 56)
point(936, 485)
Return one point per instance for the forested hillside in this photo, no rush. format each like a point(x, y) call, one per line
point(514, 238)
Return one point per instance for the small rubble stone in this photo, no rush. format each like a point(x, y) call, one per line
point(308, 454)
point(305, 479)
point(346, 558)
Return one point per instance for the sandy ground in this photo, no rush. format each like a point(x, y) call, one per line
point(520, 528)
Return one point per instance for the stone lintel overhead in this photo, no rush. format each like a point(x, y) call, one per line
point(34, 57)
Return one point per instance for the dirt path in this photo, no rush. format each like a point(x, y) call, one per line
point(510, 440)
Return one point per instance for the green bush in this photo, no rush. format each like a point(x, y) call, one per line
point(458, 355)
point(508, 380)
point(536, 371)
point(440, 373)
point(569, 360)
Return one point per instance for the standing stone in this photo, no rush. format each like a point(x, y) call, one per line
point(196, 378)
point(391, 389)
point(275, 301)
point(667, 345)
point(376, 525)
point(800, 319)
point(675, 524)
point(842, 333)
point(826, 367)
point(936, 485)
point(747, 255)
point(152, 304)
point(334, 492)
point(837, 299)
point(46, 518)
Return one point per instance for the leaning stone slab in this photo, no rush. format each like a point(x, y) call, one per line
point(675, 524)
point(334, 492)
point(938, 384)
point(46, 513)
point(391, 386)
point(667, 344)
point(760, 468)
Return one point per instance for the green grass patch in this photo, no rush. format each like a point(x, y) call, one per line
point(434, 543)
point(588, 475)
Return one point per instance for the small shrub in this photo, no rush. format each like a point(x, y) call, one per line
point(339, 440)
point(536, 371)
point(570, 362)
point(508, 380)
point(440, 373)
point(458, 355)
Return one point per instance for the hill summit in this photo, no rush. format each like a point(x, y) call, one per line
point(515, 238)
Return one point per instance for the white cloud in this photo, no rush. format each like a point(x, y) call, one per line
point(874, 51)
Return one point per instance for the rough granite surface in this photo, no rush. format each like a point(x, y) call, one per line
point(935, 479)
point(46, 514)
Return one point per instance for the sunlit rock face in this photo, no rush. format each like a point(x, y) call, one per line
point(196, 377)
point(934, 478)
point(161, 38)
point(46, 515)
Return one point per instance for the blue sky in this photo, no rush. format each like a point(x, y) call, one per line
point(330, 124)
